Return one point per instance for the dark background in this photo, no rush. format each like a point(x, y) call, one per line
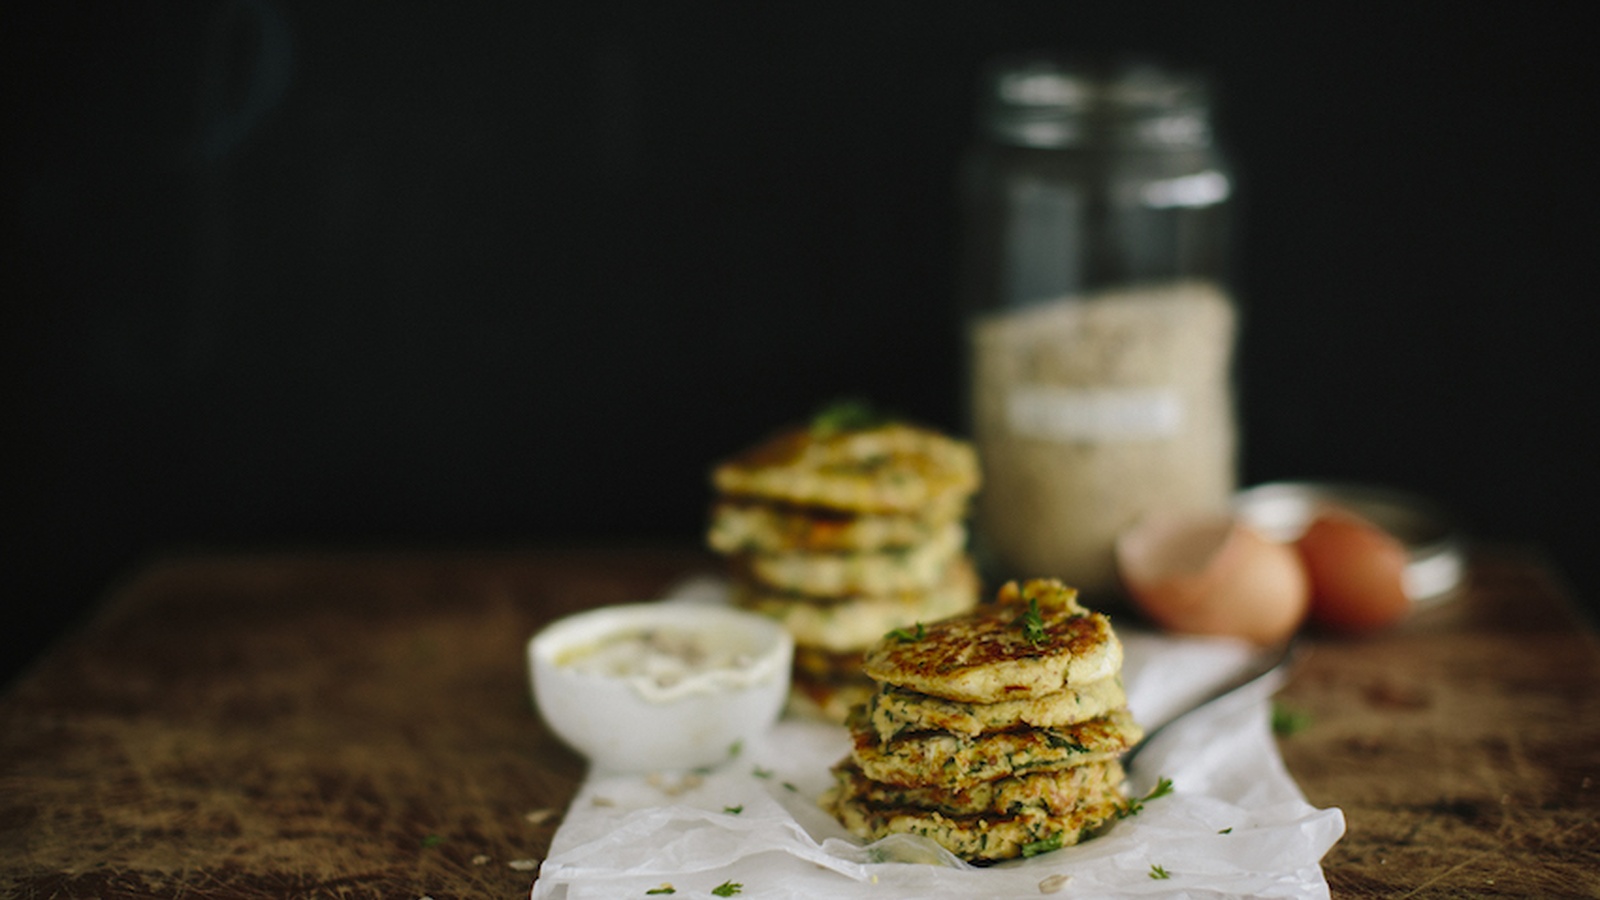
point(290, 273)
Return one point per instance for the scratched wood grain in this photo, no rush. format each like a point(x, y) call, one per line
point(359, 726)
point(1464, 747)
point(273, 727)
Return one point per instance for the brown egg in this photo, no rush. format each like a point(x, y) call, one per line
point(1357, 573)
point(1213, 575)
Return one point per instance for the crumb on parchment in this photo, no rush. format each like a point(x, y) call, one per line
point(1055, 883)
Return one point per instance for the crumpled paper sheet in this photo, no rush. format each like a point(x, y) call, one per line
point(1235, 825)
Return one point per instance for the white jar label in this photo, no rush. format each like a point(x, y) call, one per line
point(1047, 412)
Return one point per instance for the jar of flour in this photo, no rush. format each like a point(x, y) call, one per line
point(1099, 326)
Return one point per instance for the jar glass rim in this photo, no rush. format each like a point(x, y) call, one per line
point(1050, 101)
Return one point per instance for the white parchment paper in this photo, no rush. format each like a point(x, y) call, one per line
point(1235, 825)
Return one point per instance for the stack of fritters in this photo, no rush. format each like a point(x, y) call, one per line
point(996, 733)
point(844, 531)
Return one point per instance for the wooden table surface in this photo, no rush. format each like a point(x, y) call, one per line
point(359, 725)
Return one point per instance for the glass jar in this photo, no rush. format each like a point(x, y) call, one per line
point(1099, 328)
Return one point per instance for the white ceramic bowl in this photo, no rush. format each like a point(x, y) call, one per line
point(633, 711)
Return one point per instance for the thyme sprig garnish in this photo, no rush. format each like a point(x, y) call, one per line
point(905, 636)
point(1132, 807)
point(846, 414)
point(1033, 624)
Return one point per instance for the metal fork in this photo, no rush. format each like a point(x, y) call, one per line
point(1270, 662)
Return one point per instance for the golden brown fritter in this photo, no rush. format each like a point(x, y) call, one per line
point(745, 526)
point(896, 570)
point(893, 710)
point(1055, 791)
point(888, 468)
point(1034, 639)
point(852, 623)
point(939, 758)
point(981, 837)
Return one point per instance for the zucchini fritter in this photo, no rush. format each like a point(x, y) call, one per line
point(894, 710)
point(1033, 640)
point(952, 760)
point(854, 622)
point(889, 468)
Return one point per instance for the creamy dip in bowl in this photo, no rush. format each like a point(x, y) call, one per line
point(658, 686)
